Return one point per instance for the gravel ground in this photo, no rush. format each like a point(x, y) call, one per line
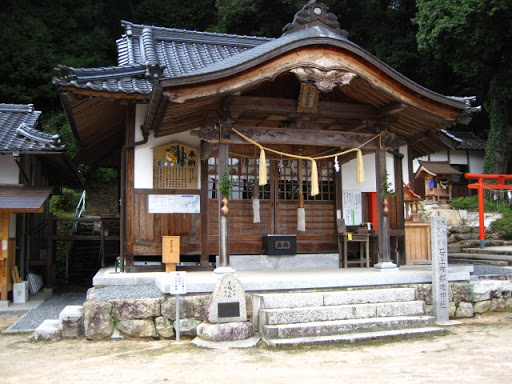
point(50, 309)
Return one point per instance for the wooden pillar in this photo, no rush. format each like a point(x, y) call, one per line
point(205, 255)
point(222, 158)
point(338, 193)
point(383, 240)
point(399, 204)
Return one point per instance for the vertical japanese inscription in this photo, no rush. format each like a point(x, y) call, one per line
point(440, 287)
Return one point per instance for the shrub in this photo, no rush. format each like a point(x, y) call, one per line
point(63, 205)
point(503, 226)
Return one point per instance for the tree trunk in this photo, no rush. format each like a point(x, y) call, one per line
point(497, 151)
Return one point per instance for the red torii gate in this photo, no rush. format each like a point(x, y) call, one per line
point(480, 185)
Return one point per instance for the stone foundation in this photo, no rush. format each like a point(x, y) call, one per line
point(154, 317)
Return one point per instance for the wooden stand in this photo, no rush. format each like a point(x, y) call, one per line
point(364, 248)
point(170, 252)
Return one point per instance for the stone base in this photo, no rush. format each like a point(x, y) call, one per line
point(251, 342)
point(225, 331)
point(386, 266)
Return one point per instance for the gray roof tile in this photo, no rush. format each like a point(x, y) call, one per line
point(147, 52)
point(18, 130)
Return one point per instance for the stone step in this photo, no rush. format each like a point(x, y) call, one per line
point(329, 328)
point(48, 330)
point(340, 312)
point(487, 258)
point(366, 296)
point(71, 318)
point(478, 262)
point(504, 251)
point(354, 337)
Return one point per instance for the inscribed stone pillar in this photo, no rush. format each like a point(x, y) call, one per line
point(439, 249)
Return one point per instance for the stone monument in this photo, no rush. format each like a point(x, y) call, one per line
point(225, 321)
point(440, 288)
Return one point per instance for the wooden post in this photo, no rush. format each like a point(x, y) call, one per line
point(384, 254)
point(204, 213)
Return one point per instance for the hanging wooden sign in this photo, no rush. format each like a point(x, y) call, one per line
point(175, 166)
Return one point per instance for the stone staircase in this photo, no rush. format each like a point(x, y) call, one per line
point(68, 326)
point(500, 256)
point(340, 316)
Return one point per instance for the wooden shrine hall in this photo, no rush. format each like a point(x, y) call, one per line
point(307, 128)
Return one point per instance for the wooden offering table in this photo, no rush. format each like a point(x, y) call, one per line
point(364, 248)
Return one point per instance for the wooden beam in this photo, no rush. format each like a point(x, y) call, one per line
point(273, 105)
point(301, 137)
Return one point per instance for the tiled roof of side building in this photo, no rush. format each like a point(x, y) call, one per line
point(18, 131)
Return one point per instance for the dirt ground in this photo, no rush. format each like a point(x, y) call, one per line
point(478, 351)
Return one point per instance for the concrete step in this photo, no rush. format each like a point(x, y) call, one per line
point(478, 262)
point(48, 330)
point(301, 300)
point(329, 328)
point(354, 337)
point(340, 312)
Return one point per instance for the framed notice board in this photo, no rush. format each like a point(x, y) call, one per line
point(352, 208)
point(175, 166)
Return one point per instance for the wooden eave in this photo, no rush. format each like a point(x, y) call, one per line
point(376, 93)
point(98, 121)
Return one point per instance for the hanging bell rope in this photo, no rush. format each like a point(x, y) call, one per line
point(314, 170)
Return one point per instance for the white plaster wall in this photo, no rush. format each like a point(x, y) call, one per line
point(369, 185)
point(9, 171)
point(143, 169)
point(458, 157)
point(476, 162)
point(405, 163)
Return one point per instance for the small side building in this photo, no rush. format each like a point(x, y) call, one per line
point(33, 166)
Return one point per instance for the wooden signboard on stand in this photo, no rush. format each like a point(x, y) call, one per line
point(170, 252)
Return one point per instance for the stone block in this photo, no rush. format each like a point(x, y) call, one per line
point(164, 327)
point(461, 229)
point(452, 309)
point(508, 305)
point(188, 327)
point(72, 324)
point(98, 321)
point(129, 309)
point(464, 236)
point(490, 289)
point(48, 330)
point(225, 331)
point(482, 306)
point(137, 328)
point(460, 292)
point(497, 305)
point(168, 307)
point(464, 310)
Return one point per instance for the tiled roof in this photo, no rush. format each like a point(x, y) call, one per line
point(467, 140)
point(147, 53)
point(18, 130)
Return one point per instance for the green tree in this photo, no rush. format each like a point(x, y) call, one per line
point(475, 39)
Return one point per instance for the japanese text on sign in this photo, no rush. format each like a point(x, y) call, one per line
point(178, 286)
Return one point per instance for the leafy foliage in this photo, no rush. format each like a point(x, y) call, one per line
point(475, 39)
point(503, 226)
point(64, 205)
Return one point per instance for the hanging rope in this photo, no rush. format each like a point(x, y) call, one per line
point(314, 170)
